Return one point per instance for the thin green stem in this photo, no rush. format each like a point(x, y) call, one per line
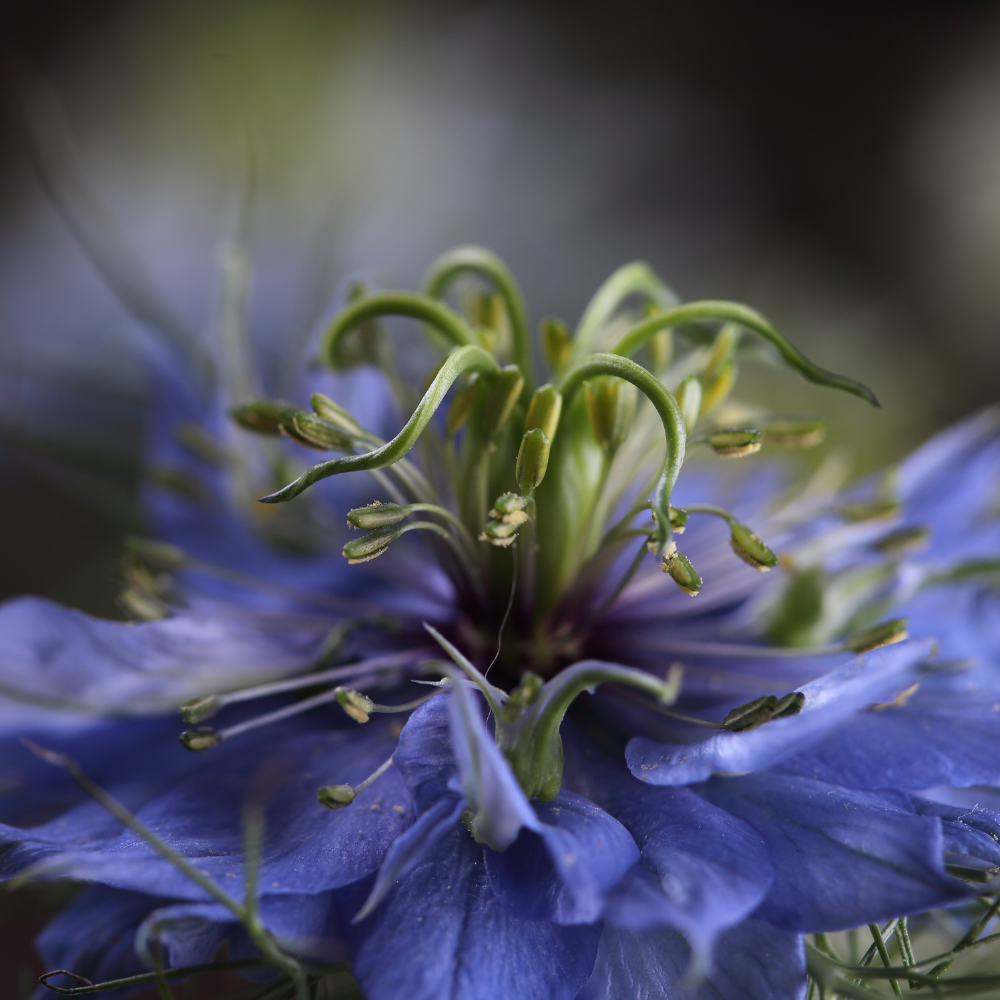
point(461, 360)
point(635, 279)
point(146, 978)
point(485, 264)
point(493, 695)
point(379, 771)
point(884, 955)
point(674, 428)
point(419, 307)
point(749, 319)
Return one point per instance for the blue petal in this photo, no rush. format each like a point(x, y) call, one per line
point(841, 857)
point(498, 804)
point(563, 870)
point(424, 756)
point(57, 657)
point(756, 962)
point(95, 936)
point(444, 935)
point(409, 849)
point(307, 848)
point(830, 700)
point(702, 869)
point(973, 832)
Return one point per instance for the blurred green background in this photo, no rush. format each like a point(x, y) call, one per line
point(835, 165)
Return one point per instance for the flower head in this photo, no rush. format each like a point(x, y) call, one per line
point(496, 752)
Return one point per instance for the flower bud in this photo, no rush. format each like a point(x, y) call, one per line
point(544, 410)
point(358, 706)
point(503, 395)
point(370, 546)
point(792, 433)
point(679, 567)
point(199, 709)
point(557, 343)
point(689, 400)
point(326, 408)
point(734, 442)
point(200, 739)
point(610, 405)
point(883, 634)
point(748, 546)
point(376, 515)
point(335, 796)
point(532, 459)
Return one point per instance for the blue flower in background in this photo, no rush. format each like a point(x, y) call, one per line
point(497, 752)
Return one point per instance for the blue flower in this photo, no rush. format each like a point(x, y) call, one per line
point(608, 789)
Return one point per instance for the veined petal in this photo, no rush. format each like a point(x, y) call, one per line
point(444, 935)
point(841, 857)
point(755, 962)
point(563, 868)
point(56, 657)
point(306, 849)
point(829, 700)
point(702, 870)
point(499, 806)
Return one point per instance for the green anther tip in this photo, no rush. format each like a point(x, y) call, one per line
point(532, 459)
point(748, 546)
point(679, 568)
point(678, 520)
point(544, 411)
point(358, 706)
point(509, 503)
point(369, 546)
point(376, 515)
point(883, 634)
point(319, 433)
point(202, 738)
point(335, 796)
point(326, 408)
point(871, 511)
point(756, 713)
point(157, 554)
point(735, 442)
point(199, 709)
point(789, 433)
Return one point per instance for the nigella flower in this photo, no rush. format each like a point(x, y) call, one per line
point(550, 730)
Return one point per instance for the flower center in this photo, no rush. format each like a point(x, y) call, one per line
point(529, 496)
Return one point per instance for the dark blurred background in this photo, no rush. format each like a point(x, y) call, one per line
point(835, 165)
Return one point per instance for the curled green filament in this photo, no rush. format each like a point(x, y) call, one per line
point(666, 406)
point(749, 319)
point(461, 360)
